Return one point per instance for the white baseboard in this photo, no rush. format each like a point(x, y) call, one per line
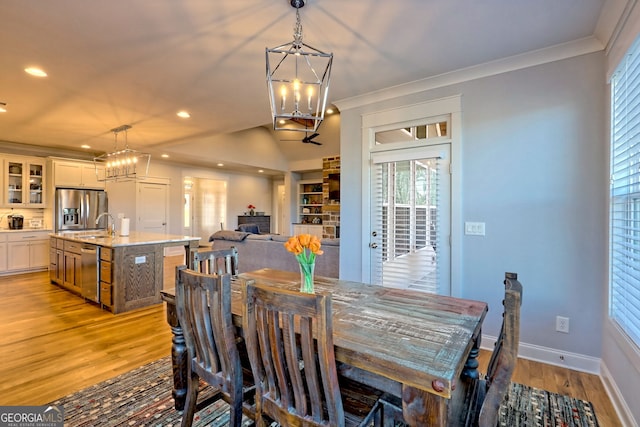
point(551, 356)
point(619, 404)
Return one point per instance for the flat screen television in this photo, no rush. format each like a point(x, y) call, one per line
point(334, 186)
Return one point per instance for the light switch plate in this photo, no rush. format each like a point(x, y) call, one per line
point(474, 228)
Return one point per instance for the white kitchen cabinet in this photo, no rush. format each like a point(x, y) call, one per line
point(23, 182)
point(314, 230)
point(18, 256)
point(3, 252)
point(27, 250)
point(77, 174)
point(39, 254)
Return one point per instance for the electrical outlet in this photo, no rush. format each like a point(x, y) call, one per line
point(562, 324)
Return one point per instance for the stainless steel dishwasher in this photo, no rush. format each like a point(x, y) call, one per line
point(90, 284)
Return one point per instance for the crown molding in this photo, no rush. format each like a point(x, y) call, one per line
point(19, 148)
point(612, 20)
point(525, 60)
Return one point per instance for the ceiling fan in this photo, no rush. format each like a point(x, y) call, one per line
point(308, 139)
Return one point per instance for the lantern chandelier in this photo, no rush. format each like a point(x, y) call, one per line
point(298, 81)
point(122, 165)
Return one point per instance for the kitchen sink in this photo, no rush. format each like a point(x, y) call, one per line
point(96, 236)
point(90, 235)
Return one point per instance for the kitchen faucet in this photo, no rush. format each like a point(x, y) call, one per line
point(112, 229)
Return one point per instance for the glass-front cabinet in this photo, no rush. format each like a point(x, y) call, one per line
point(36, 183)
point(13, 183)
point(23, 182)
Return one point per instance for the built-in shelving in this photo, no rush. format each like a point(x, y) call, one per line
point(310, 202)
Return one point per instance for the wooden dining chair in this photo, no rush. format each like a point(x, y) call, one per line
point(494, 387)
point(203, 303)
point(480, 398)
point(289, 338)
point(212, 261)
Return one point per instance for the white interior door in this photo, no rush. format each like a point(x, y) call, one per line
point(152, 205)
point(410, 211)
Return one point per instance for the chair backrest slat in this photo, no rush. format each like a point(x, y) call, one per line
point(214, 261)
point(289, 339)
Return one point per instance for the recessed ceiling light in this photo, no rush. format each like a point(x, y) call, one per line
point(85, 146)
point(183, 114)
point(3, 107)
point(260, 170)
point(220, 164)
point(166, 156)
point(36, 72)
point(329, 110)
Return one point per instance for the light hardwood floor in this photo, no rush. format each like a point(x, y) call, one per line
point(53, 343)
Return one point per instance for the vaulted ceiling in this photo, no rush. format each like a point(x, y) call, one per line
point(139, 62)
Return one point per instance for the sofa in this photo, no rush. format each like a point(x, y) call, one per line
point(256, 251)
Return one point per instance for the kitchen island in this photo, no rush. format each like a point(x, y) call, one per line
point(121, 273)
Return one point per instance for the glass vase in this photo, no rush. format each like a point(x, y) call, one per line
point(306, 276)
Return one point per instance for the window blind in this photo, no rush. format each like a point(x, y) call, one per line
point(407, 215)
point(624, 286)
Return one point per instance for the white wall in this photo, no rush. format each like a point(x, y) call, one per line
point(252, 147)
point(242, 189)
point(534, 169)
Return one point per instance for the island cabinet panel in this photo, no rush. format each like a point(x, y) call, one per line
point(72, 272)
point(138, 271)
point(106, 277)
point(56, 260)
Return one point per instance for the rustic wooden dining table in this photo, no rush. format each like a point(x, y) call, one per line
point(411, 344)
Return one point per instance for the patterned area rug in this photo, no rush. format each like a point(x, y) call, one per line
point(526, 406)
point(142, 397)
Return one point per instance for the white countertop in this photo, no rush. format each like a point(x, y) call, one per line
point(25, 229)
point(99, 237)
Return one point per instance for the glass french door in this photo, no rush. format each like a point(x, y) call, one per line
point(205, 206)
point(410, 218)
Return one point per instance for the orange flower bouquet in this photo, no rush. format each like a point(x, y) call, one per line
point(305, 247)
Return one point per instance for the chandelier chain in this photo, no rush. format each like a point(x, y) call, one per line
point(297, 31)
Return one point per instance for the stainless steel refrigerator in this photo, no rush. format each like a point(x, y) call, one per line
point(77, 210)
